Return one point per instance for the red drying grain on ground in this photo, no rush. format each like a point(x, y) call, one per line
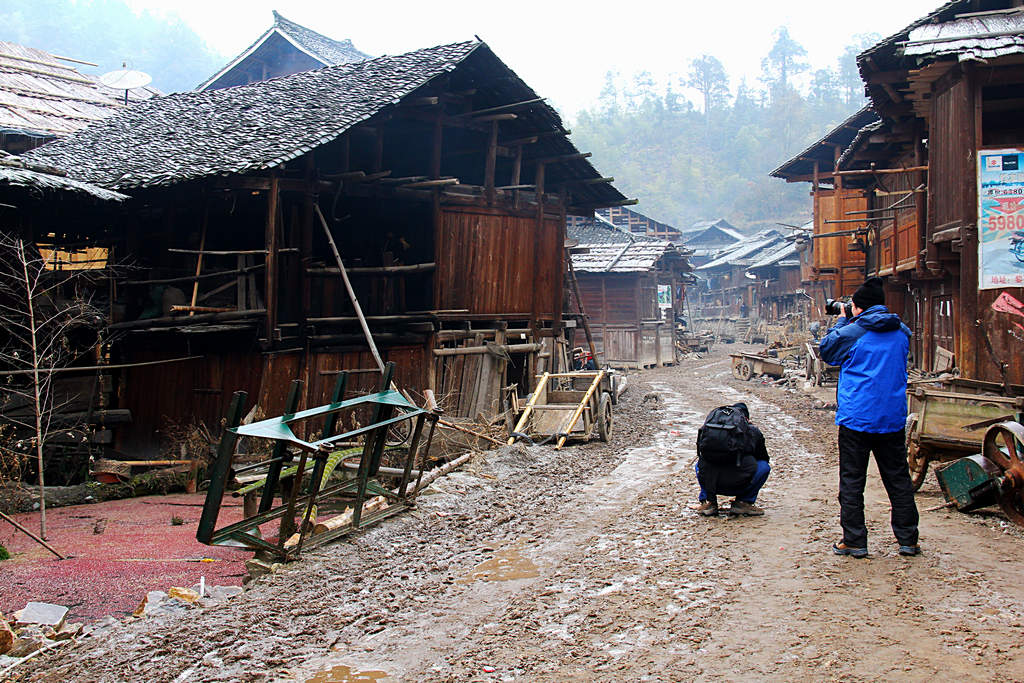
point(109, 573)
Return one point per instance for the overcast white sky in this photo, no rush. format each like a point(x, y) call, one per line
point(564, 48)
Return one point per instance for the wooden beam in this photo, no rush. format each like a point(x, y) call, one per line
point(881, 171)
point(377, 270)
point(503, 107)
point(606, 205)
point(496, 117)
point(560, 158)
point(534, 137)
point(490, 161)
point(419, 101)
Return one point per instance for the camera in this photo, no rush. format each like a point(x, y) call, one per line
point(837, 307)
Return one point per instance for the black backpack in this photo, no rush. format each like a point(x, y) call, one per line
point(725, 437)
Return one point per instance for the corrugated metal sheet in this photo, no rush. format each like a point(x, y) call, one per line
point(969, 38)
point(42, 96)
point(742, 253)
point(612, 250)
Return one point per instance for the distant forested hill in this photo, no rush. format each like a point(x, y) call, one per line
point(687, 163)
point(108, 32)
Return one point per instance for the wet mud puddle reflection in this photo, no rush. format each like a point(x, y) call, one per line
point(346, 674)
point(507, 564)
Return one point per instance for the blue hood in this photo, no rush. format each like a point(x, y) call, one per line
point(878, 319)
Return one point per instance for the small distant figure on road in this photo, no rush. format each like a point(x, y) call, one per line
point(731, 461)
point(583, 360)
point(872, 348)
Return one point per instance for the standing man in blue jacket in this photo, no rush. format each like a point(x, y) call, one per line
point(872, 349)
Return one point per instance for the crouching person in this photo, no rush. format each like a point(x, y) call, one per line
point(731, 461)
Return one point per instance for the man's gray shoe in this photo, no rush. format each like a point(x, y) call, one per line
point(707, 508)
point(910, 550)
point(740, 507)
point(843, 549)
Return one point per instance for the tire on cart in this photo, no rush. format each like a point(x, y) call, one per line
point(604, 417)
point(745, 371)
point(917, 457)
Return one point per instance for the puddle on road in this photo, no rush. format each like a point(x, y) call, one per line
point(505, 565)
point(346, 674)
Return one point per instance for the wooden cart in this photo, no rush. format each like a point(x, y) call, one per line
point(949, 423)
point(818, 371)
point(567, 405)
point(747, 365)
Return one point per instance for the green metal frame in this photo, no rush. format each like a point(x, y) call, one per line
point(245, 533)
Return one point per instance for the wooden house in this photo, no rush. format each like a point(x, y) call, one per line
point(285, 48)
point(43, 97)
point(724, 288)
point(630, 220)
point(779, 293)
point(946, 91)
point(41, 201)
point(440, 177)
point(631, 288)
point(706, 238)
point(833, 261)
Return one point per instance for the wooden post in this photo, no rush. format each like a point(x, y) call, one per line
point(529, 407)
point(270, 240)
point(537, 250)
point(491, 161)
point(971, 338)
point(378, 151)
point(438, 144)
point(306, 241)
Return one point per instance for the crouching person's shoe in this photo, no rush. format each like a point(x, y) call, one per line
point(740, 507)
point(707, 508)
point(843, 549)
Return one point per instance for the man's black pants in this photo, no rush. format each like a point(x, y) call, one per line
point(891, 457)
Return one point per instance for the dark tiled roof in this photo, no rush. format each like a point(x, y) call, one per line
point(249, 128)
point(17, 172)
point(190, 135)
point(328, 50)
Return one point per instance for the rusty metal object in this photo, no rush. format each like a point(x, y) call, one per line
point(944, 425)
point(1004, 445)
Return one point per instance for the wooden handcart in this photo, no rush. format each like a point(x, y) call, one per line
point(948, 423)
point(747, 365)
point(566, 405)
point(817, 370)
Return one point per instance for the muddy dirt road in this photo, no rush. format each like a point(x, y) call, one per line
point(589, 564)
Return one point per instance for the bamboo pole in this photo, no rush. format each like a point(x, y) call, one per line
point(348, 286)
point(541, 384)
point(32, 536)
point(579, 410)
point(199, 260)
point(458, 428)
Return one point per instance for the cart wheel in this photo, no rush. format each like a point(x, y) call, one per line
point(917, 457)
point(604, 417)
point(745, 371)
point(1004, 445)
point(736, 370)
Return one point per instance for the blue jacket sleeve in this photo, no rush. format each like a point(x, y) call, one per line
point(839, 341)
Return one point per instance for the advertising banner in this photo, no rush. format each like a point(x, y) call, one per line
point(1000, 218)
